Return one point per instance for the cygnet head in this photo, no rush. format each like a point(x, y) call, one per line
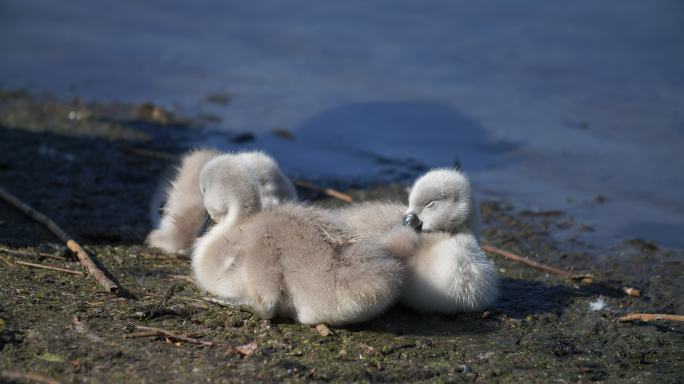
point(440, 201)
point(229, 190)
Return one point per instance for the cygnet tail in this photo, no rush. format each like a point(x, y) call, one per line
point(478, 286)
point(453, 275)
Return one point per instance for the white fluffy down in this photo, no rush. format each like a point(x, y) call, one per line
point(211, 271)
point(453, 275)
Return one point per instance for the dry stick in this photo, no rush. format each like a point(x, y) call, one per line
point(630, 291)
point(82, 255)
point(27, 253)
point(328, 191)
point(42, 266)
point(31, 377)
point(7, 262)
point(524, 260)
point(171, 335)
point(650, 317)
point(584, 279)
point(216, 300)
point(136, 335)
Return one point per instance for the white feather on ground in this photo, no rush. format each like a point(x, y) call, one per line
point(597, 305)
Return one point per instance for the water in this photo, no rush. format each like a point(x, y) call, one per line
point(546, 104)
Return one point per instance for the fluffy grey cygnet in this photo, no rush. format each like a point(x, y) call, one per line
point(448, 273)
point(293, 261)
point(443, 201)
point(183, 211)
point(274, 187)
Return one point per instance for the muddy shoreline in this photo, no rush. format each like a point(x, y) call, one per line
point(83, 166)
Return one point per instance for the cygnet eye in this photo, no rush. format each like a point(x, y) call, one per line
point(430, 204)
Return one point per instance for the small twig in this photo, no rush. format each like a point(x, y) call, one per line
point(238, 304)
point(395, 348)
point(136, 335)
point(584, 279)
point(7, 262)
point(30, 377)
point(171, 335)
point(631, 291)
point(247, 349)
point(370, 349)
point(184, 298)
point(50, 267)
point(169, 295)
point(75, 247)
point(27, 253)
point(323, 330)
point(328, 191)
point(526, 261)
point(183, 277)
point(650, 317)
point(214, 300)
point(218, 301)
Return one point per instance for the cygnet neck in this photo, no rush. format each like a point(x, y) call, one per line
point(242, 196)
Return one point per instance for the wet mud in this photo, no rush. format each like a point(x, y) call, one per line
point(96, 175)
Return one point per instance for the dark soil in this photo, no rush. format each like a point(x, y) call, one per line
point(82, 165)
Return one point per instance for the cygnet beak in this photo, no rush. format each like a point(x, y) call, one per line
point(207, 223)
point(411, 220)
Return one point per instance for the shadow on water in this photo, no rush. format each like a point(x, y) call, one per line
point(403, 137)
point(376, 142)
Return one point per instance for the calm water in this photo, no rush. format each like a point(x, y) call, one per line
point(545, 104)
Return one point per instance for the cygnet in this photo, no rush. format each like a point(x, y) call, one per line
point(449, 273)
point(291, 260)
point(183, 212)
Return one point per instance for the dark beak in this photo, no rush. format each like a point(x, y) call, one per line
point(411, 220)
point(207, 223)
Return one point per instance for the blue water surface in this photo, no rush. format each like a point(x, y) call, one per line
point(547, 104)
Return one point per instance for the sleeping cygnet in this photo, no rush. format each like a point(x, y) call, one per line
point(448, 273)
point(293, 261)
point(183, 212)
